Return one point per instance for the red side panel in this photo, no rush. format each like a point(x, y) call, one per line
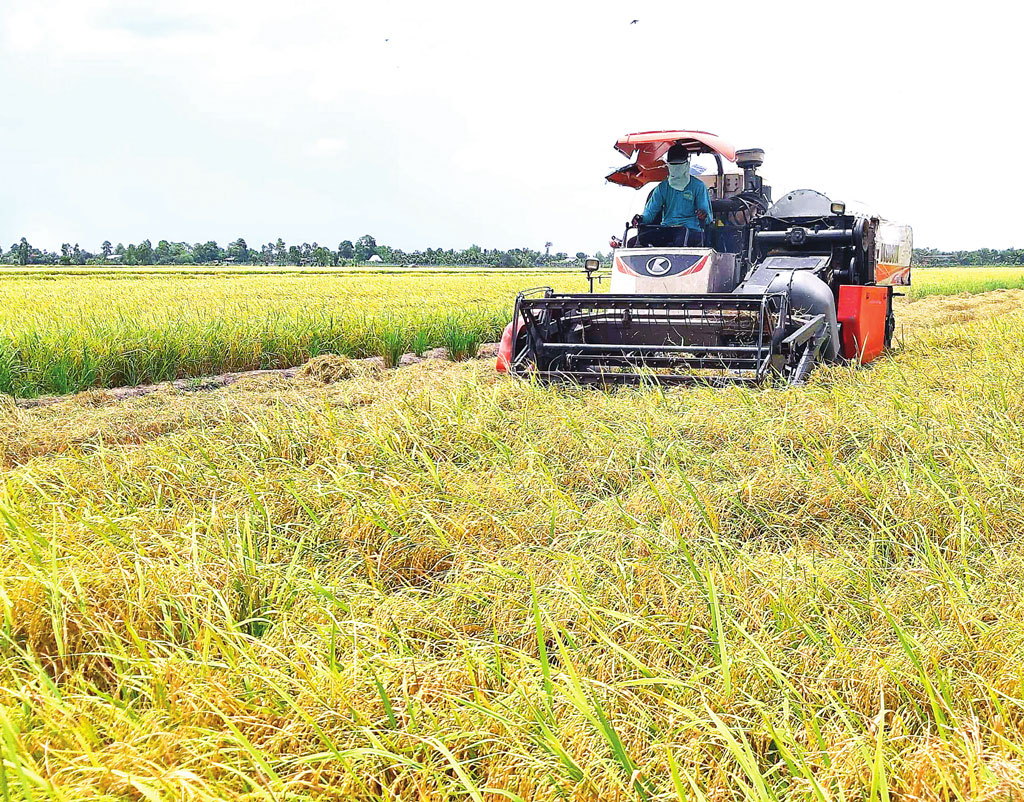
point(505, 351)
point(892, 274)
point(862, 312)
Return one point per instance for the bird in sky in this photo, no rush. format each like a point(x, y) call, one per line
point(634, 22)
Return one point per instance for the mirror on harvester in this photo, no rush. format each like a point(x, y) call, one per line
point(591, 266)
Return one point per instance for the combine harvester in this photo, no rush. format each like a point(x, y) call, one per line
point(783, 287)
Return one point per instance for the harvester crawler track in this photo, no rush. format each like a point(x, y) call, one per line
point(667, 339)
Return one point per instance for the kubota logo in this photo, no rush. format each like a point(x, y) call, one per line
point(658, 266)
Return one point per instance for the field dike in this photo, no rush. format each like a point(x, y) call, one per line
point(325, 369)
point(441, 583)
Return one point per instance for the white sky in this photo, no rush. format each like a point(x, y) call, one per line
point(447, 124)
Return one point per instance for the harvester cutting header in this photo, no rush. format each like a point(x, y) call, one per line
point(716, 281)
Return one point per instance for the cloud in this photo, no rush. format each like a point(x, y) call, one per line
point(487, 123)
point(148, 23)
point(328, 146)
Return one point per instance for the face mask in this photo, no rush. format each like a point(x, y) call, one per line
point(679, 175)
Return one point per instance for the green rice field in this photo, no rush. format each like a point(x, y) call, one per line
point(62, 333)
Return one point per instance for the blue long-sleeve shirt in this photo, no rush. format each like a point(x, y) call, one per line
point(678, 207)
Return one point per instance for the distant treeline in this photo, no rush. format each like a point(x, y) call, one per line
point(366, 249)
point(363, 250)
point(982, 256)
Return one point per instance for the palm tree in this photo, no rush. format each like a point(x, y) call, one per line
point(547, 249)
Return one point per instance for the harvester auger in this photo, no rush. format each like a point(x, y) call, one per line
point(783, 287)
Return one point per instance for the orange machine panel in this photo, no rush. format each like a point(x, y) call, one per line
point(862, 312)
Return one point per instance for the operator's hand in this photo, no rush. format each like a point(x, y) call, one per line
point(636, 221)
point(702, 216)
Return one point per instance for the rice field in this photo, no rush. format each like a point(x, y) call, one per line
point(61, 335)
point(437, 583)
point(954, 280)
point(62, 332)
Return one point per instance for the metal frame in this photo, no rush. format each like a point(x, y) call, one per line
point(664, 339)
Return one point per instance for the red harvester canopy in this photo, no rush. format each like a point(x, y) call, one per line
point(650, 146)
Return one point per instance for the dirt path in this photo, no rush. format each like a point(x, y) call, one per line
point(327, 368)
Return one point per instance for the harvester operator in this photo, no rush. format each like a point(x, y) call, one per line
point(680, 202)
